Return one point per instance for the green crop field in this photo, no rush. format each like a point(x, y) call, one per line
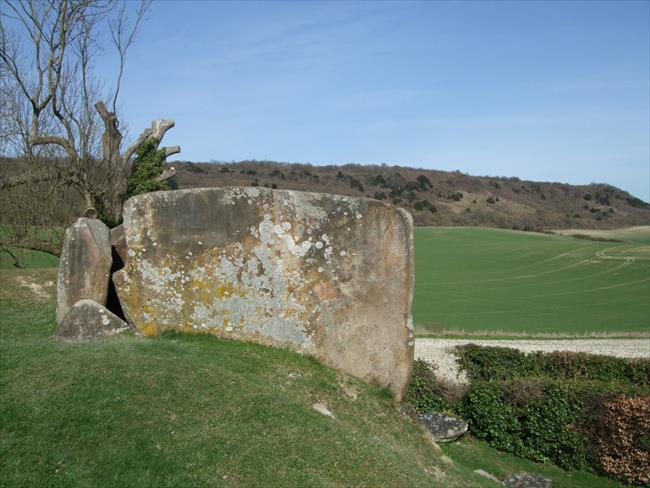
point(491, 280)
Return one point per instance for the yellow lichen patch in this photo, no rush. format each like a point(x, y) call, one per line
point(149, 329)
point(224, 289)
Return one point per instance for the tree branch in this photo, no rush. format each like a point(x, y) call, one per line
point(160, 127)
point(166, 174)
point(59, 141)
point(172, 150)
point(146, 134)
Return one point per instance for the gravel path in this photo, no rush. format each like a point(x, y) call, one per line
point(440, 351)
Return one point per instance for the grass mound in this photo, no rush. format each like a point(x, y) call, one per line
point(191, 411)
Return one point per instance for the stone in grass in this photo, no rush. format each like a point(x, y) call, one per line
point(322, 409)
point(485, 474)
point(87, 319)
point(444, 428)
point(527, 480)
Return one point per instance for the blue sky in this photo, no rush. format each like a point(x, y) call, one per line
point(551, 91)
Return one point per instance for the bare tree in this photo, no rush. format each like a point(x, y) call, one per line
point(58, 113)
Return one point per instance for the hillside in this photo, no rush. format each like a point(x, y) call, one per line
point(191, 411)
point(182, 410)
point(439, 197)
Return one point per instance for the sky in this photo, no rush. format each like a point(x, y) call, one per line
point(548, 91)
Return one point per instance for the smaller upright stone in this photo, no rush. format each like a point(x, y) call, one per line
point(527, 480)
point(85, 265)
point(88, 319)
point(444, 428)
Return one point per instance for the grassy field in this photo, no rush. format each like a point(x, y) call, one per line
point(195, 411)
point(510, 282)
point(27, 258)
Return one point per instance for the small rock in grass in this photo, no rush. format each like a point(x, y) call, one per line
point(320, 408)
point(88, 319)
point(527, 480)
point(487, 475)
point(443, 427)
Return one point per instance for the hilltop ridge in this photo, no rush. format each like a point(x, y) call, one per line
point(438, 197)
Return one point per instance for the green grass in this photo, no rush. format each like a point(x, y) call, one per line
point(185, 411)
point(53, 234)
point(487, 280)
point(28, 258)
point(195, 411)
point(476, 454)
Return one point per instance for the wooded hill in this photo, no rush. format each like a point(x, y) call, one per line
point(438, 197)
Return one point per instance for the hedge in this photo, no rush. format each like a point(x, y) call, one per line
point(575, 410)
point(500, 363)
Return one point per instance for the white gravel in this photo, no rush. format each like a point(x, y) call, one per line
point(440, 351)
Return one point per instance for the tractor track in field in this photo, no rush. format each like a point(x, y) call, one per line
point(441, 351)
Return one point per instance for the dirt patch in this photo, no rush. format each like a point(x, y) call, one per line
point(28, 285)
point(41, 290)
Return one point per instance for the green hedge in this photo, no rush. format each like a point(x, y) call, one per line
point(425, 393)
point(500, 363)
point(561, 408)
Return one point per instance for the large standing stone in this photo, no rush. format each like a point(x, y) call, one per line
point(326, 275)
point(87, 319)
point(85, 264)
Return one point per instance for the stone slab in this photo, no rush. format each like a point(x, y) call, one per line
point(326, 275)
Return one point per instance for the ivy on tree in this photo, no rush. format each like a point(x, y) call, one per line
point(148, 165)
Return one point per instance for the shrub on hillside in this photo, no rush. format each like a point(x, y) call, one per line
point(424, 183)
point(622, 438)
point(537, 427)
point(501, 363)
point(424, 393)
point(354, 183)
